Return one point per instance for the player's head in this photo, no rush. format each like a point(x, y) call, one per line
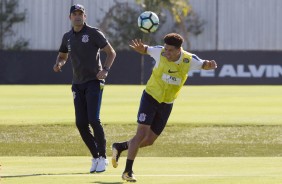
point(173, 43)
point(77, 15)
point(173, 39)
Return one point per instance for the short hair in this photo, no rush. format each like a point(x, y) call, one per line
point(173, 39)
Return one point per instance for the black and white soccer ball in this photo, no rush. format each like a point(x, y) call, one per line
point(148, 22)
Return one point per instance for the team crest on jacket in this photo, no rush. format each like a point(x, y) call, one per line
point(85, 38)
point(185, 60)
point(142, 117)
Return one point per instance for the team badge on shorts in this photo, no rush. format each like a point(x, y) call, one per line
point(85, 38)
point(142, 117)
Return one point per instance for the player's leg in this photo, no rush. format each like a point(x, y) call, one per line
point(149, 139)
point(119, 147)
point(160, 114)
point(145, 115)
point(93, 95)
point(133, 147)
point(158, 124)
point(82, 123)
point(147, 134)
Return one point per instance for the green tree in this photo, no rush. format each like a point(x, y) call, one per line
point(9, 17)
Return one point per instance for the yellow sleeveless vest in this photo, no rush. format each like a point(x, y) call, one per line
point(168, 78)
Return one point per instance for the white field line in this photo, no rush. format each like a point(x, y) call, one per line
point(145, 175)
point(141, 175)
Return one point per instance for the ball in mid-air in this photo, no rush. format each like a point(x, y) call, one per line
point(148, 22)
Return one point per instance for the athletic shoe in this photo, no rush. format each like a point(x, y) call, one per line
point(116, 155)
point(94, 165)
point(102, 163)
point(128, 176)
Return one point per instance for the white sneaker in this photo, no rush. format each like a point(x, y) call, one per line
point(102, 163)
point(94, 165)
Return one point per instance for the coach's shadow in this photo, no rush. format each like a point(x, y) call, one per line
point(51, 174)
point(41, 174)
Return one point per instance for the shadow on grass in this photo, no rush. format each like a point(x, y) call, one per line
point(42, 174)
point(60, 174)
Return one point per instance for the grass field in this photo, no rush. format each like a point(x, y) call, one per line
point(52, 104)
point(216, 134)
point(179, 140)
point(155, 170)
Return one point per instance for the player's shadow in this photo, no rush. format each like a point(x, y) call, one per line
point(41, 174)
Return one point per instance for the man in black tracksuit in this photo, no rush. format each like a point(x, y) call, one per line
point(83, 44)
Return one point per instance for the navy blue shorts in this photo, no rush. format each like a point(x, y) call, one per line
point(153, 113)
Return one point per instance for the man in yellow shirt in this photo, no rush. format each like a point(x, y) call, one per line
point(168, 77)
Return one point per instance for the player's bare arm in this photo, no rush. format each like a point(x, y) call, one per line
point(138, 46)
point(209, 65)
point(111, 54)
point(61, 61)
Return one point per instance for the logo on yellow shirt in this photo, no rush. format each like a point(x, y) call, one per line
point(170, 71)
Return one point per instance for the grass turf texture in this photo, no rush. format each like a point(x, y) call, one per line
point(70, 170)
point(239, 122)
point(37, 120)
point(178, 140)
point(52, 104)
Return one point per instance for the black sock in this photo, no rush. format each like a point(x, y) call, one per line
point(129, 164)
point(123, 146)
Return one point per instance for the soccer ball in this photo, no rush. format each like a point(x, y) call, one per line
point(148, 22)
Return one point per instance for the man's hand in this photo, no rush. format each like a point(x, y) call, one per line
point(138, 46)
point(102, 74)
point(60, 62)
point(57, 67)
point(209, 65)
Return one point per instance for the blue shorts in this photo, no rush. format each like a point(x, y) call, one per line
point(153, 113)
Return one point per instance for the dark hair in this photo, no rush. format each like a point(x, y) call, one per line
point(173, 39)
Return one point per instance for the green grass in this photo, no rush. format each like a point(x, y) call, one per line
point(155, 170)
point(215, 135)
point(38, 120)
point(178, 140)
point(52, 104)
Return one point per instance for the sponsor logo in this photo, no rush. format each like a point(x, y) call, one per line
point(169, 71)
point(171, 80)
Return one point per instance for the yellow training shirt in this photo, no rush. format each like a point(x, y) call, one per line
point(168, 77)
